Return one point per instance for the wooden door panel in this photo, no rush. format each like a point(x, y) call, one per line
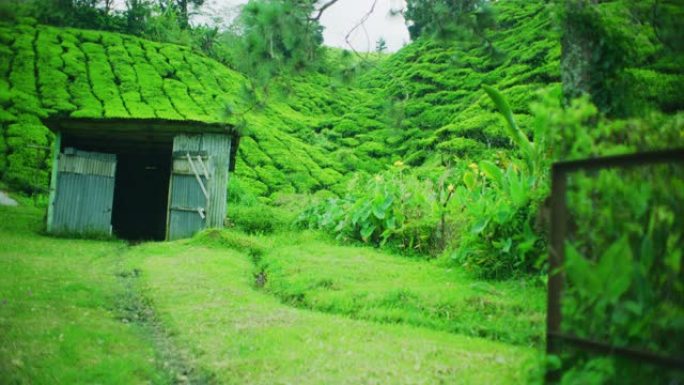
point(188, 195)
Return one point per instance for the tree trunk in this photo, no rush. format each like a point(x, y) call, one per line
point(183, 13)
point(577, 48)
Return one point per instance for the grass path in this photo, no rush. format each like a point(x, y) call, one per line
point(62, 322)
point(58, 321)
point(206, 297)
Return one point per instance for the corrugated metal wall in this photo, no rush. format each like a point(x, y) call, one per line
point(84, 193)
point(218, 148)
point(187, 206)
point(214, 150)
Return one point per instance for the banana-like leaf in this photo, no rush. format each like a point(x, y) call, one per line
point(367, 230)
point(514, 131)
point(492, 172)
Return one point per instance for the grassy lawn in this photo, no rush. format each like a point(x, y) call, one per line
point(366, 284)
point(206, 297)
point(76, 311)
point(58, 322)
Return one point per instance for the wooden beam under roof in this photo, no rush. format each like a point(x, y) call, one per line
point(124, 134)
point(136, 126)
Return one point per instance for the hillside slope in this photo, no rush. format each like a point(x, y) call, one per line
point(428, 106)
point(431, 93)
point(56, 72)
point(423, 105)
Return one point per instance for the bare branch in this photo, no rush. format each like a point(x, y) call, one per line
point(360, 24)
point(322, 9)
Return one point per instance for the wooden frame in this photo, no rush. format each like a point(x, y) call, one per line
point(559, 175)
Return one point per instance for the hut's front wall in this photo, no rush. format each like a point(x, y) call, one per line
point(92, 193)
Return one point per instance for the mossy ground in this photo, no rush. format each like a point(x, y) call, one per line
point(68, 315)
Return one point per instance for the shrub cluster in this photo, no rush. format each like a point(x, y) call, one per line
point(394, 207)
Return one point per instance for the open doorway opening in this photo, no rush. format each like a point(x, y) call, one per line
point(141, 185)
point(141, 194)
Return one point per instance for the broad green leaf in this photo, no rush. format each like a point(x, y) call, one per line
point(387, 202)
point(480, 225)
point(581, 273)
point(514, 131)
point(673, 260)
point(492, 172)
point(390, 222)
point(647, 255)
point(517, 189)
point(615, 269)
point(504, 213)
point(506, 245)
point(469, 180)
point(367, 230)
point(378, 212)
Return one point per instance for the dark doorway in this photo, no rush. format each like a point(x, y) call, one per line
point(141, 195)
point(141, 185)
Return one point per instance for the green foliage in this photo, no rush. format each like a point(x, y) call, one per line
point(102, 80)
point(499, 210)
point(500, 204)
point(430, 93)
point(65, 72)
point(393, 207)
point(52, 82)
point(90, 14)
point(448, 19)
point(514, 132)
point(622, 38)
point(278, 36)
point(25, 155)
point(624, 266)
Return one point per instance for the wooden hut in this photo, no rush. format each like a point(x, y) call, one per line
point(139, 178)
point(144, 138)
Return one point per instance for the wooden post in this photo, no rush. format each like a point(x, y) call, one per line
point(56, 148)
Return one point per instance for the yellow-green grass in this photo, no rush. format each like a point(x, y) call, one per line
point(80, 311)
point(368, 284)
point(58, 323)
point(206, 297)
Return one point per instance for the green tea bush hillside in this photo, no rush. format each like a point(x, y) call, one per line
point(48, 72)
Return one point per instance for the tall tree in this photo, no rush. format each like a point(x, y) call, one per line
point(280, 35)
point(181, 7)
point(91, 14)
point(449, 18)
point(137, 13)
point(598, 45)
point(578, 45)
